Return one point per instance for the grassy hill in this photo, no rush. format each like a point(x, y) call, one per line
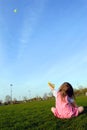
point(36, 115)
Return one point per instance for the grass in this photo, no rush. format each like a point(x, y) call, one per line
point(36, 115)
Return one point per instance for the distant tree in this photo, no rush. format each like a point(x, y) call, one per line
point(8, 99)
point(14, 100)
point(0, 102)
point(84, 91)
point(50, 94)
point(80, 91)
point(45, 96)
point(77, 92)
point(38, 98)
point(25, 98)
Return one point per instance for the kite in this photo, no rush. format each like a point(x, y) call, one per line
point(15, 10)
point(52, 85)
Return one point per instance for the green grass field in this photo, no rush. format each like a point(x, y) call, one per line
point(36, 115)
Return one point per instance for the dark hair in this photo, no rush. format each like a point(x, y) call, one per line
point(66, 89)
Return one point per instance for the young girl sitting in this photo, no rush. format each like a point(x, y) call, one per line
point(65, 105)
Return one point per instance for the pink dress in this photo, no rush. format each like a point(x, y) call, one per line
point(64, 109)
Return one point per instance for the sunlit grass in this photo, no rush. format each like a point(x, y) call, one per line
point(36, 115)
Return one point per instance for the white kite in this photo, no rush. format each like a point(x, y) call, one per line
point(15, 10)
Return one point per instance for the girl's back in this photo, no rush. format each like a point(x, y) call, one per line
point(64, 109)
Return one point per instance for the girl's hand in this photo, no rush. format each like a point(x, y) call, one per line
point(52, 86)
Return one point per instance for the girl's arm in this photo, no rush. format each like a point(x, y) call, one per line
point(72, 102)
point(52, 86)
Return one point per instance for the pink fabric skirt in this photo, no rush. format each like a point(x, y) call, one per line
point(74, 113)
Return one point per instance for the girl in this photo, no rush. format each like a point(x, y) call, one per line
point(65, 105)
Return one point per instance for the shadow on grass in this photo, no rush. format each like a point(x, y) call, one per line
point(85, 109)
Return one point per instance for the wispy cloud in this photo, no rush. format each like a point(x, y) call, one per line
point(71, 69)
point(31, 17)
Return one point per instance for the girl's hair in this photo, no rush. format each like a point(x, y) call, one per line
point(66, 89)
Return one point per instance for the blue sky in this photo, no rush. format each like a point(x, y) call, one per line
point(44, 40)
